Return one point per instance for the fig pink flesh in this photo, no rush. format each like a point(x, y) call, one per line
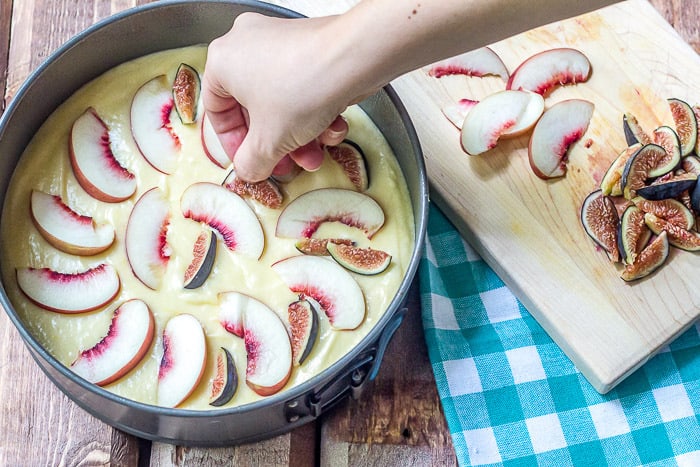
point(304, 290)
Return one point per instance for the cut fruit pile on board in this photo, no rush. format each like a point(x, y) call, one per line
point(528, 229)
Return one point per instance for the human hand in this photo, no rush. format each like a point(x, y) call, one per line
point(271, 95)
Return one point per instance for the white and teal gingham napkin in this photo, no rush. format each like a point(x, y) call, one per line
point(510, 395)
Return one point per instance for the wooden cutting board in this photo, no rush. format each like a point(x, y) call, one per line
point(528, 230)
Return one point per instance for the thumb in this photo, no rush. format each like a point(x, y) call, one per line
point(252, 162)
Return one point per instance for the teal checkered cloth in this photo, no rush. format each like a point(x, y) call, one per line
point(511, 396)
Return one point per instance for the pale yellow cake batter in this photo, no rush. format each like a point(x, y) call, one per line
point(46, 166)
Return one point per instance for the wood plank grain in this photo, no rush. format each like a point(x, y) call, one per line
point(5, 22)
point(683, 16)
point(33, 411)
point(399, 419)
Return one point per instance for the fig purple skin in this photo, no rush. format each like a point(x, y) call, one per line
point(205, 268)
point(668, 189)
point(231, 384)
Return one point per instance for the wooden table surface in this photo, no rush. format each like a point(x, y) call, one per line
point(397, 421)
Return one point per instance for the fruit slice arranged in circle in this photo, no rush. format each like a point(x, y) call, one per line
point(265, 192)
point(649, 260)
point(212, 146)
point(69, 292)
point(225, 382)
point(228, 214)
point(303, 329)
point(542, 72)
point(335, 290)
point(686, 124)
point(560, 126)
point(479, 62)
point(128, 339)
point(303, 215)
point(267, 344)
point(319, 246)
point(97, 170)
point(186, 89)
point(502, 114)
point(183, 361)
point(203, 256)
point(366, 261)
point(151, 124)
point(145, 242)
point(67, 230)
point(351, 158)
point(600, 221)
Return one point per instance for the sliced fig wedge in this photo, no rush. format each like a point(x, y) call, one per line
point(634, 234)
point(265, 192)
point(600, 221)
point(691, 164)
point(611, 184)
point(688, 240)
point(203, 256)
point(686, 124)
point(670, 210)
point(186, 89)
point(666, 137)
point(637, 168)
point(319, 246)
point(366, 261)
point(302, 319)
point(225, 382)
point(649, 260)
point(351, 158)
point(634, 133)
